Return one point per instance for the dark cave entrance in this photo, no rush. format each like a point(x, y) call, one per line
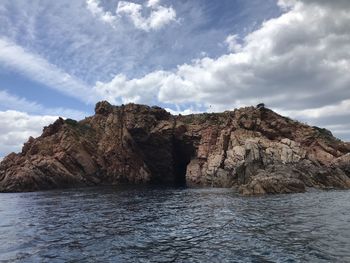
point(166, 156)
point(182, 154)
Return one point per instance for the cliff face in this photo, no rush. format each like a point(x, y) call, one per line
point(255, 150)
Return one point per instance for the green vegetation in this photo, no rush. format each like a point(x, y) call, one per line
point(78, 126)
point(326, 134)
point(210, 118)
point(71, 122)
point(323, 131)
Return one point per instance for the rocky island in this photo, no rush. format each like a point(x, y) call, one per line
point(252, 149)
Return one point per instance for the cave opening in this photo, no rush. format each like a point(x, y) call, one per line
point(182, 154)
point(166, 156)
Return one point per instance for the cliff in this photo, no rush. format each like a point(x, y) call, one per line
point(253, 149)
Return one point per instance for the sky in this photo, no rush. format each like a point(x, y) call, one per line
point(58, 58)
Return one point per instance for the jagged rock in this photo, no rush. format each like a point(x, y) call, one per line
point(265, 183)
point(253, 149)
point(103, 108)
point(343, 163)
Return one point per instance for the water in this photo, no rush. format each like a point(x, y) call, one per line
point(173, 225)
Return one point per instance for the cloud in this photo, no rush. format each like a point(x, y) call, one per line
point(159, 16)
point(92, 50)
point(25, 118)
point(187, 111)
point(339, 109)
point(343, 4)
point(37, 68)
point(232, 43)
point(298, 62)
point(122, 90)
point(340, 130)
point(16, 127)
point(152, 3)
point(13, 102)
point(333, 117)
point(94, 7)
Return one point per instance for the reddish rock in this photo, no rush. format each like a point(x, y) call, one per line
point(254, 149)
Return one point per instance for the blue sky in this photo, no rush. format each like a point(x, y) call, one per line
point(58, 58)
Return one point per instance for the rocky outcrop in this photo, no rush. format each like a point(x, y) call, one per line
point(252, 149)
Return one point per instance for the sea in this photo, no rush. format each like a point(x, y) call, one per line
point(158, 224)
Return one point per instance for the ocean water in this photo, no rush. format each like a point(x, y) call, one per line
point(144, 224)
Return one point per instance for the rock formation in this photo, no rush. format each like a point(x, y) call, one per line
point(252, 149)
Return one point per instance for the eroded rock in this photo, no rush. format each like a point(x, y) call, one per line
point(253, 149)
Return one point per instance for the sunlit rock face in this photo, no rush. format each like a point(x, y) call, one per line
point(252, 149)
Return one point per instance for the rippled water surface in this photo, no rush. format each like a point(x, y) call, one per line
point(173, 225)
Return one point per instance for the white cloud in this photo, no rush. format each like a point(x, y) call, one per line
point(13, 102)
point(287, 3)
point(94, 7)
point(298, 62)
point(25, 118)
point(233, 44)
point(16, 127)
point(338, 109)
point(159, 15)
point(286, 63)
point(340, 130)
point(187, 111)
point(37, 68)
point(92, 50)
point(122, 90)
point(152, 3)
